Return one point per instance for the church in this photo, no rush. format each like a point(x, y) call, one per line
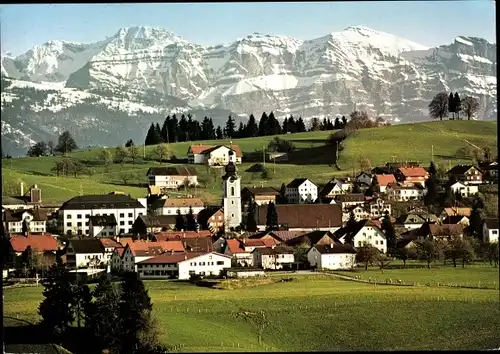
point(232, 195)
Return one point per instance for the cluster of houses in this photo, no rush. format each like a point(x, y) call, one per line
point(119, 233)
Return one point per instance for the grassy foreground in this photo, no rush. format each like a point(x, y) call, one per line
point(312, 312)
point(312, 159)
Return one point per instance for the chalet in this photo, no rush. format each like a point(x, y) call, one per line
point(213, 155)
point(352, 199)
point(183, 265)
point(384, 180)
point(102, 226)
point(33, 220)
point(301, 191)
point(259, 195)
point(172, 177)
point(170, 206)
point(465, 190)
point(417, 175)
point(405, 192)
point(276, 257)
point(332, 256)
point(467, 174)
point(146, 224)
point(85, 253)
point(365, 178)
point(303, 217)
point(365, 231)
point(490, 230)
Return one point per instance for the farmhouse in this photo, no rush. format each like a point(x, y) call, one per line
point(75, 213)
point(490, 230)
point(259, 195)
point(303, 217)
point(275, 258)
point(102, 225)
point(465, 190)
point(411, 175)
point(170, 206)
point(467, 174)
point(378, 207)
point(359, 212)
point(241, 250)
point(300, 191)
point(410, 221)
point(172, 177)
point(365, 231)
point(213, 155)
point(183, 265)
point(332, 256)
point(85, 253)
point(34, 221)
point(344, 183)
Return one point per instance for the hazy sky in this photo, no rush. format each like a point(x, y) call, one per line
point(426, 22)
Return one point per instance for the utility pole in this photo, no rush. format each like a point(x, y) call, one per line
point(432, 153)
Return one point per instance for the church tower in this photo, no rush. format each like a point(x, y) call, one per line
point(232, 195)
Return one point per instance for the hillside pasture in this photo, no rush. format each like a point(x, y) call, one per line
point(312, 158)
point(311, 312)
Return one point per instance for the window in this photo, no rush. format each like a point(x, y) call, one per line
point(232, 202)
point(78, 216)
point(68, 224)
point(494, 232)
point(194, 263)
point(130, 222)
point(122, 231)
point(122, 215)
point(122, 223)
point(130, 215)
point(79, 223)
point(220, 262)
point(232, 191)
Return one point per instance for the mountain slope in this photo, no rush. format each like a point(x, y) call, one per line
point(150, 72)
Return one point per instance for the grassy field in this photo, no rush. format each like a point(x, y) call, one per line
point(315, 312)
point(312, 159)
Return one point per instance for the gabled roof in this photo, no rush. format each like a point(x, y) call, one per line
point(235, 246)
point(87, 245)
point(252, 242)
point(119, 251)
point(287, 235)
point(6, 200)
point(350, 232)
point(460, 169)
point(109, 242)
point(455, 219)
point(178, 235)
point(384, 180)
point(328, 188)
point(304, 215)
point(178, 203)
point(125, 240)
point(199, 148)
point(17, 215)
point(298, 182)
point(410, 219)
point(101, 201)
point(202, 244)
point(310, 238)
point(491, 223)
point(101, 220)
point(235, 148)
point(457, 211)
point(172, 171)
point(177, 258)
point(351, 197)
point(433, 229)
point(275, 250)
point(157, 220)
point(413, 171)
point(147, 248)
point(335, 248)
point(39, 243)
point(262, 191)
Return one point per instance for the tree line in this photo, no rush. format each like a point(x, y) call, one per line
point(111, 318)
point(189, 129)
point(65, 144)
point(443, 104)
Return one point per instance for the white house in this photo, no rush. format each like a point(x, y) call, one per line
point(364, 177)
point(102, 226)
point(490, 230)
point(75, 213)
point(384, 180)
point(169, 206)
point(344, 183)
point(410, 221)
point(34, 219)
point(331, 189)
point(348, 200)
point(14, 203)
point(464, 190)
point(332, 256)
point(183, 265)
point(213, 155)
point(172, 177)
point(86, 253)
point(275, 257)
point(139, 251)
point(405, 192)
point(365, 231)
point(359, 212)
point(301, 191)
point(241, 253)
point(378, 207)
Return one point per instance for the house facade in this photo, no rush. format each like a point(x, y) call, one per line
point(33, 219)
point(365, 178)
point(86, 253)
point(75, 213)
point(334, 256)
point(411, 175)
point(169, 206)
point(384, 180)
point(365, 231)
point(467, 174)
point(465, 190)
point(172, 177)
point(213, 155)
point(259, 195)
point(490, 230)
point(402, 193)
point(102, 226)
point(275, 258)
point(216, 221)
point(301, 191)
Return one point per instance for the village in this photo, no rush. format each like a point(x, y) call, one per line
point(254, 230)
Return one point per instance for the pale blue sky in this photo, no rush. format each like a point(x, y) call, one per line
point(426, 22)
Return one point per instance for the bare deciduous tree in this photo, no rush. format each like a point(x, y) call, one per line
point(470, 106)
point(438, 108)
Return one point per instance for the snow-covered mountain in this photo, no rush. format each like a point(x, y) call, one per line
point(141, 74)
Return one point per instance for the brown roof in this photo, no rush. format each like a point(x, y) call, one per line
point(178, 235)
point(120, 251)
point(311, 238)
point(182, 202)
point(352, 197)
point(304, 215)
point(235, 148)
point(335, 248)
point(413, 171)
point(45, 242)
point(262, 191)
point(384, 180)
point(126, 240)
point(204, 244)
point(146, 248)
point(287, 235)
point(16, 216)
point(428, 229)
point(275, 250)
point(198, 149)
point(172, 171)
point(457, 211)
point(235, 246)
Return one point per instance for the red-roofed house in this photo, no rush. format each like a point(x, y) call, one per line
point(411, 175)
point(44, 244)
point(384, 180)
point(213, 155)
point(141, 250)
point(176, 235)
point(183, 265)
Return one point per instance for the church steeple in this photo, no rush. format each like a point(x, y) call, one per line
point(232, 195)
point(230, 167)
